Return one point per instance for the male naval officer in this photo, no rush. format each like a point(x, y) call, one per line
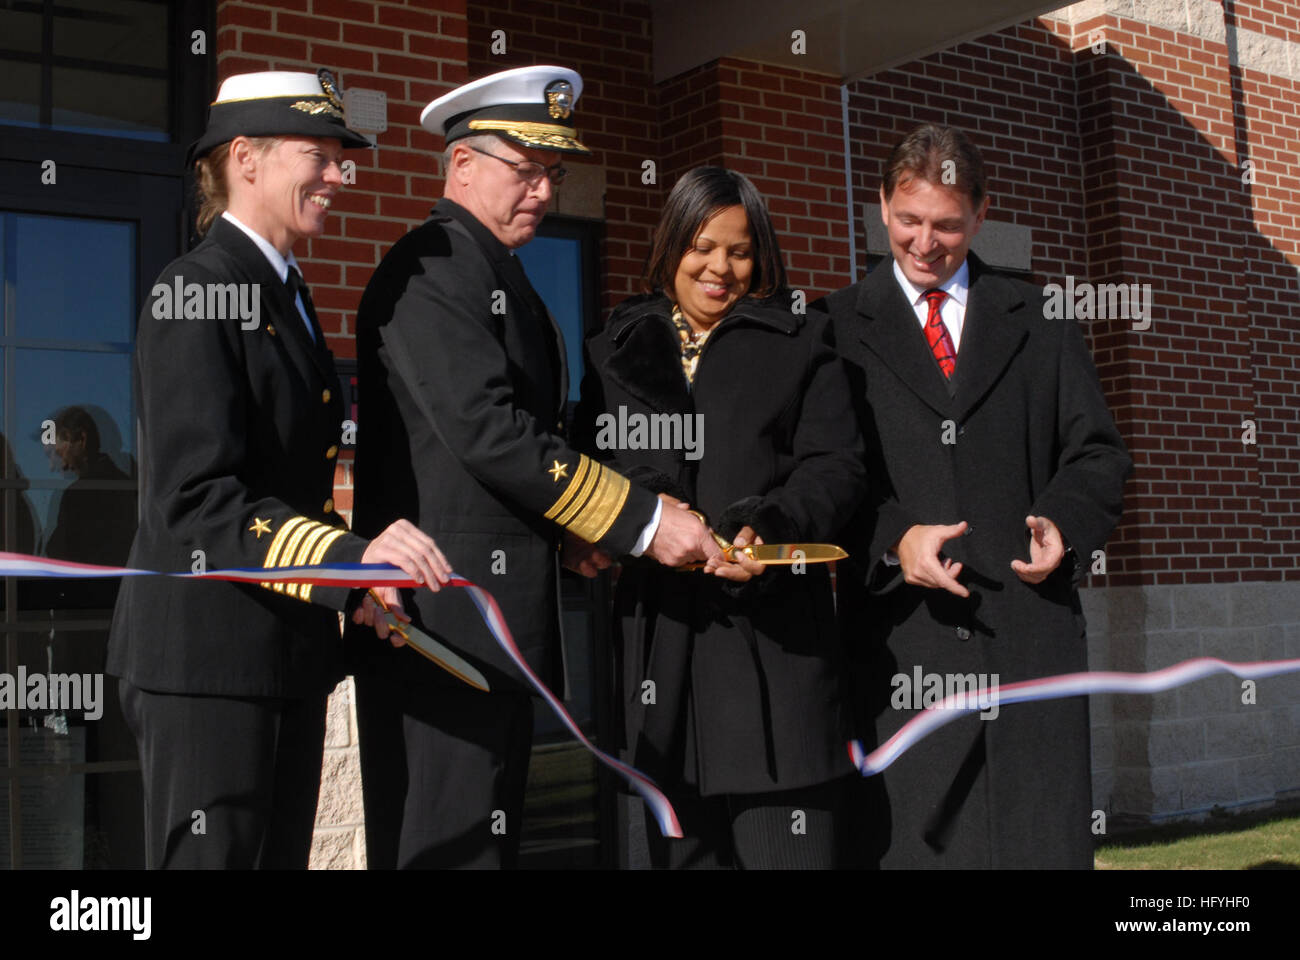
point(463, 389)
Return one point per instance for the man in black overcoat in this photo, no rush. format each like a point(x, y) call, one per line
point(463, 388)
point(995, 471)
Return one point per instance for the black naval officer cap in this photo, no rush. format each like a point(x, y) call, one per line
point(276, 103)
point(530, 106)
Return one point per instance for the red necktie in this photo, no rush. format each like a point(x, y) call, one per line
point(937, 334)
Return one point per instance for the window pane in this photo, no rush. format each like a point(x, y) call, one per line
point(75, 279)
point(117, 31)
point(554, 268)
point(86, 101)
point(21, 29)
point(53, 807)
point(81, 496)
point(20, 93)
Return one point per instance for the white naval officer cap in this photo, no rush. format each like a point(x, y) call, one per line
point(530, 106)
point(275, 103)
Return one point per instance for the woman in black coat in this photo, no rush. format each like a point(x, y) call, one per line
point(716, 390)
point(224, 685)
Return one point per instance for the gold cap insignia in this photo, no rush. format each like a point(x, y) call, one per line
point(331, 88)
point(559, 99)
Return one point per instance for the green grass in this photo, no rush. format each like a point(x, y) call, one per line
point(1268, 841)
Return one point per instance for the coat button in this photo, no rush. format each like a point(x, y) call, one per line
point(332, 452)
point(329, 505)
point(270, 328)
point(970, 528)
point(963, 633)
point(325, 395)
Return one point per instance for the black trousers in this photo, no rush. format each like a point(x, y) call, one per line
point(443, 768)
point(228, 782)
point(802, 829)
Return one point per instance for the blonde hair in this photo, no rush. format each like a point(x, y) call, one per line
point(211, 187)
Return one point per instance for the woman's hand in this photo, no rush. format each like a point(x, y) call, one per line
point(372, 615)
point(405, 545)
point(740, 568)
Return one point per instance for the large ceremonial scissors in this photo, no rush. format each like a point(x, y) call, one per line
point(442, 655)
point(772, 554)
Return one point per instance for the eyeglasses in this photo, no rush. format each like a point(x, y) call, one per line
point(530, 171)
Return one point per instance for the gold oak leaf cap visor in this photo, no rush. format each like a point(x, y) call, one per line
point(276, 103)
point(530, 106)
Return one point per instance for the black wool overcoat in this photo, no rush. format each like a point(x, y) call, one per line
point(748, 682)
point(463, 385)
point(1021, 429)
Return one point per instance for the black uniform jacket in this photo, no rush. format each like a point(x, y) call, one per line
point(1022, 428)
point(238, 431)
point(462, 385)
point(748, 682)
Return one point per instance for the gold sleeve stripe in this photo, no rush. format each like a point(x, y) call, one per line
point(309, 542)
point(299, 543)
point(318, 554)
point(584, 465)
point(273, 551)
point(602, 509)
point(571, 511)
point(291, 546)
point(302, 553)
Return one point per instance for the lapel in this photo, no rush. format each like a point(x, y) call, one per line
point(646, 359)
point(561, 355)
point(992, 334)
point(511, 272)
point(283, 315)
point(890, 330)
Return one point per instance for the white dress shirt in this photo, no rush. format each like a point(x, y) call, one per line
point(279, 264)
point(953, 309)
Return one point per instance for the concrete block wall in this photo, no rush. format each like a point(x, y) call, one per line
point(1204, 745)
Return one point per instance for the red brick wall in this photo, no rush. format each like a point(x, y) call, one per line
point(617, 115)
point(1013, 93)
point(1179, 124)
point(1276, 18)
point(780, 126)
point(1272, 143)
point(410, 54)
point(1126, 165)
point(413, 56)
point(783, 129)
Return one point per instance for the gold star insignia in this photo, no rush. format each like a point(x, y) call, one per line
point(559, 471)
point(260, 526)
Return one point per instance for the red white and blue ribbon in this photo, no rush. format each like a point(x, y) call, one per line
point(496, 624)
point(1053, 688)
point(372, 575)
